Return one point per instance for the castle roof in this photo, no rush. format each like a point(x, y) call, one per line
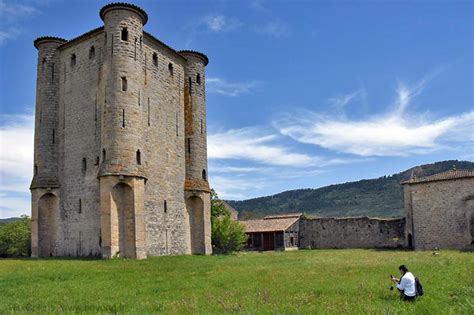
point(448, 175)
point(123, 5)
point(48, 38)
point(276, 223)
point(197, 53)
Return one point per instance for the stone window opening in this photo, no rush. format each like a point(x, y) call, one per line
point(204, 175)
point(54, 135)
point(84, 165)
point(80, 205)
point(139, 92)
point(155, 59)
point(135, 51)
point(104, 155)
point(105, 38)
point(97, 160)
point(201, 127)
point(139, 157)
point(177, 126)
point(165, 206)
point(190, 85)
point(198, 78)
point(124, 34)
point(92, 53)
point(148, 112)
point(189, 145)
point(170, 68)
point(43, 62)
point(35, 172)
point(73, 60)
point(141, 41)
point(124, 84)
point(123, 118)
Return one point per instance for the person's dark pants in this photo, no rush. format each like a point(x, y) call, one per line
point(408, 298)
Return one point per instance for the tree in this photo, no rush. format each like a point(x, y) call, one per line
point(15, 238)
point(227, 235)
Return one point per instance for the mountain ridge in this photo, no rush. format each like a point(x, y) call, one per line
point(378, 197)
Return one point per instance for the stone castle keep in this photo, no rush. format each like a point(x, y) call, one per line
point(120, 162)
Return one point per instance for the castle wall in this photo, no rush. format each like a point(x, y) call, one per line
point(442, 213)
point(79, 140)
point(360, 232)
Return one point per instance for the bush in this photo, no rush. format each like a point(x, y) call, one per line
point(15, 238)
point(228, 236)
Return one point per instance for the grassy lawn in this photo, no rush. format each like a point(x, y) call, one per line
point(305, 281)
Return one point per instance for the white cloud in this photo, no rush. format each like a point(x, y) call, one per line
point(220, 23)
point(220, 86)
point(16, 161)
point(231, 188)
point(12, 14)
point(391, 134)
point(252, 144)
point(273, 29)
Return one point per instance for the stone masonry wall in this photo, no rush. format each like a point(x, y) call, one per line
point(442, 213)
point(361, 232)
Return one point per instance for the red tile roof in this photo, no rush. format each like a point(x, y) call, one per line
point(449, 175)
point(271, 223)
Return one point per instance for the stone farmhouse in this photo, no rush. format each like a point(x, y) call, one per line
point(120, 154)
point(440, 210)
point(439, 214)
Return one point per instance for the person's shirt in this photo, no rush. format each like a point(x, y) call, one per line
point(407, 284)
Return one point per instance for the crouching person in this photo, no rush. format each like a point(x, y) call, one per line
point(406, 284)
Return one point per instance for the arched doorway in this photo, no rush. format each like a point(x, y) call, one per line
point(123, 217)
point(195, 208)
point(410, 241)
point(48, 217)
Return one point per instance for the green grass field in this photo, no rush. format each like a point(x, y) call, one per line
point(305, 281)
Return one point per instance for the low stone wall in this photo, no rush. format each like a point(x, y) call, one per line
point(355, 232)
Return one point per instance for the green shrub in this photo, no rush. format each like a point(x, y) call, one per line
point(15, 238)
point(228, 236)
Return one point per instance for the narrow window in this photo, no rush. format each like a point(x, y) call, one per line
point(189, 145)
point(105, 38)
point(177, 125)
point(190, 85)
point(155, 59)
point(97, 160)
point(104, 155)
point(84, 165)
point(73, 60)
point(198, 78)
point(54, 135)
point(36, 169)
point(204, 175)
point(170, 68)
point(165, 206)
point(92, 53)
point(80, 205)
point(201, 127)
point(135, 52)
point(123, 118)
point(124, 83)
point(148, 111)
point(43, 62)
point(139, 92)
point(124, 35)
point(139, 157)
point(141, 41)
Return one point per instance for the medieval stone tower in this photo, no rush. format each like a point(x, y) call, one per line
point(120, 162)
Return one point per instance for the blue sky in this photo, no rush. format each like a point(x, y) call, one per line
point(299, 93)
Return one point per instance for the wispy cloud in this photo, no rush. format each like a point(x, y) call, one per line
point(273, 29)
point(232, 188)
point(221, 86)
point(12, 14)
point(219, 23)
point(394, 133)
point(255, 145)
point(16, 161)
